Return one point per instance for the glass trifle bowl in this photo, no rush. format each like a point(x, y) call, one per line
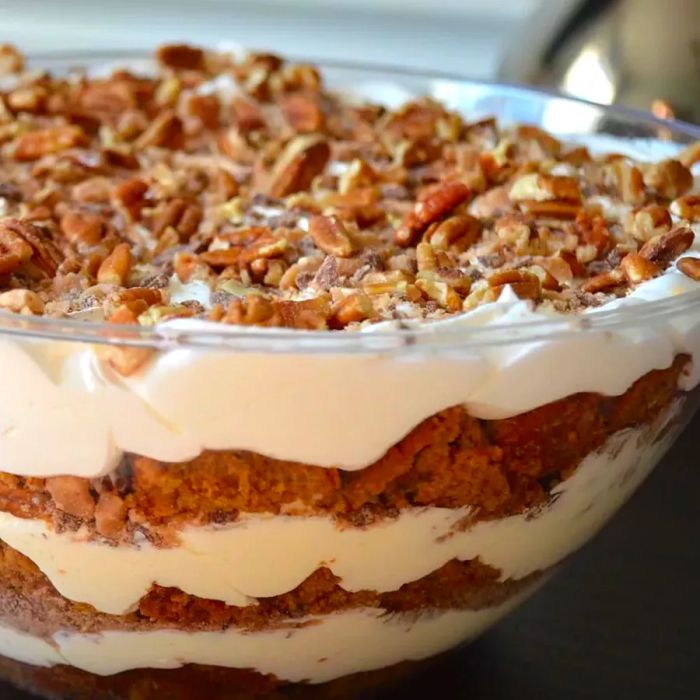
point(307, 379)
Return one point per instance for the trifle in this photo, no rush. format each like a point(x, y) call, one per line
point(305, 381)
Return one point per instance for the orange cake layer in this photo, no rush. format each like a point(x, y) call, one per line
point(499, 467)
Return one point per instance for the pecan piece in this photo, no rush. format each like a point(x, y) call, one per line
point(124, 359)
point(14, 250)
point(628, 180)
point(460, 231)
point(439, 291)
point(558, 267)
point(441, 202)
point(545, 141)
point(637, 268)
point(205, 108)
point(302, 160)
point(180, 57)
point(116, 266)
point(21, 241)
point(164, 131)
point(22, 301)
point(690, 267)
point(542, 188)
point(525, 285)
point(95, 190)
point(687, 207)
point(425, 257)
point(131, 195)
point(310, 314)
point(302, 112)
point(82, 227)
point(551, 209)
point(37, 144)
point(665, 247)
point(11, 60)
point(247, 114)
point(670, 178)
point(354, 308)
point(690, 155)
point(181, 216)
point(603, 282)
point(330, 236)
point(648, 221)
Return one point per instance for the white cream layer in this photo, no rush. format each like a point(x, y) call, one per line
point(268, 555)
point(316, 649)
point(69, 414)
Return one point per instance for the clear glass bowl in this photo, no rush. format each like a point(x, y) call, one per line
point(589, 402)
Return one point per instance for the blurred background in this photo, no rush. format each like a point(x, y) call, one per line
point(637, 52)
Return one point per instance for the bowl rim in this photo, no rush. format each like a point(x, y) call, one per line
point(430, 335)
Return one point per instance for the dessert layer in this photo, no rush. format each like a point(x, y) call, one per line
point(314, 649)
point(232, 191)
point(193, 682)
point(370, 400)
point(29, 602)
point(266, 555)
point(495, 468)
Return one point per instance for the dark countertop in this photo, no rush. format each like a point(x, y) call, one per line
point(621, 621)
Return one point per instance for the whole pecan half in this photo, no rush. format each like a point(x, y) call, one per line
point(665, 247)
point(302, 160)
point(440, 203)
point(21, 241)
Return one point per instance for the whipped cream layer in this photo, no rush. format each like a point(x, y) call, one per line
point(315, 649)
point(261, 556)
point(70, 414)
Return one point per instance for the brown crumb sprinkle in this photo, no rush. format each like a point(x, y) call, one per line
point(301, 209)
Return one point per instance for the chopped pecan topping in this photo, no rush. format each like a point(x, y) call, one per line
point(241, 190)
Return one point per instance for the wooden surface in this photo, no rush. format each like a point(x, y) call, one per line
point(620, 622)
